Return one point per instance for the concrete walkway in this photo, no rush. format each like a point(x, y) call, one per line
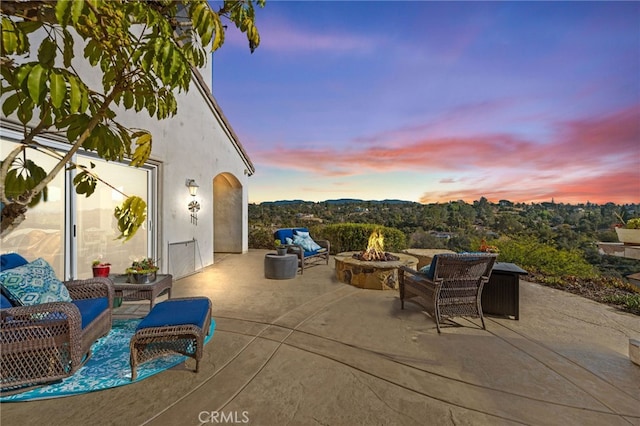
point(312, 351)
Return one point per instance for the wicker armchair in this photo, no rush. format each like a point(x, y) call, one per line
point(455, 288)
point(306, 257)
point(47, 342)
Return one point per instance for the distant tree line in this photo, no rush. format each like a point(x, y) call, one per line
point(459, 225)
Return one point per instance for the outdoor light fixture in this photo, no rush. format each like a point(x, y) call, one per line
point(193, 187)
point(193, 206)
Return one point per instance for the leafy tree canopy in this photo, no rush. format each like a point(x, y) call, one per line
point(144, 52)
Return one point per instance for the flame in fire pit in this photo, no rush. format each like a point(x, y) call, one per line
point(375, 249)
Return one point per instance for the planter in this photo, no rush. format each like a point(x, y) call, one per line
point(629, 237)
point(142, 278)
point(101, 271)
point(281, 251)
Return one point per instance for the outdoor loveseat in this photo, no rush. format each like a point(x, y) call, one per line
point(45, 342)
point(299, 242)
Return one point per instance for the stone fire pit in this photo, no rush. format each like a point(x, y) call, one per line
point(374, 275)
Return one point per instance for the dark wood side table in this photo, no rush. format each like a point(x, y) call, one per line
point(501, 295)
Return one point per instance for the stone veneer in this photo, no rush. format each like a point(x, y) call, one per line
point(372, 275)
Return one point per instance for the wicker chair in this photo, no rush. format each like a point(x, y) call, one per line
point(46, 342)
point(455, 288)
point(306, 258)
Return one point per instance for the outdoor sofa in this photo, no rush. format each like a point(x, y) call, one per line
point(299, 242)
point(45, 342)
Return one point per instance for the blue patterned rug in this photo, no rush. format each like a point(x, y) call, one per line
point(107, 368)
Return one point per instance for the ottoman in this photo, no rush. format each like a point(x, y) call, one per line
point(175, 326)
point(278, 267)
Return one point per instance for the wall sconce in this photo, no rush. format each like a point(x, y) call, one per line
point(193, 187)
point(193, 206)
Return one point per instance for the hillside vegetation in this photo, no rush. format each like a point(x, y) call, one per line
point(556, 243)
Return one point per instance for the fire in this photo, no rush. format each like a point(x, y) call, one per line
point(375, 247)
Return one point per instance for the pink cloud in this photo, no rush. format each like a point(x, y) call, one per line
point(595, 159)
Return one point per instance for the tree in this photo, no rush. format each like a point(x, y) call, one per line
point(144, 52)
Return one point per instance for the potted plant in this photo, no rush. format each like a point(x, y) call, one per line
point(142, 271)
point(629, 233)
point(100, 269)
point(282, 250)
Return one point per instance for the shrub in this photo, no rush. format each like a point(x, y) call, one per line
point(534, 256)
point(260, 238)
point(355, 236)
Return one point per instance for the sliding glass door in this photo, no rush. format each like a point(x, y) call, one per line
point(70, 231)
point(41, 233)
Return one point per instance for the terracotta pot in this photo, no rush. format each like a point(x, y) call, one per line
point(630, 237)
point(101, 271)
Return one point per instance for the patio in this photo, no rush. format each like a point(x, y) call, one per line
point(313, 350)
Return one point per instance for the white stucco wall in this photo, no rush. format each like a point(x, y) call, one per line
point(191, 145)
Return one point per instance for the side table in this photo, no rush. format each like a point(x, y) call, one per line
point(278, 267)
point(501, 295)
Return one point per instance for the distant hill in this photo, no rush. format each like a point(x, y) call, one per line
point(337, 201)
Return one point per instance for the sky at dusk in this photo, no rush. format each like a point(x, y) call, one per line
point(438, 101)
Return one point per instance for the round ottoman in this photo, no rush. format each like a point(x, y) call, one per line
point(280, 267)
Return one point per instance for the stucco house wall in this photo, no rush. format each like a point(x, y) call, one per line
point(198, 143)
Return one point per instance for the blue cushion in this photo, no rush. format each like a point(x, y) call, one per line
point(283, 234)
point(90, 309)
point(11, 260)
point(307, 243)
point(177, 312)
point(32, 284)
point(5, 302)
point(429, 270)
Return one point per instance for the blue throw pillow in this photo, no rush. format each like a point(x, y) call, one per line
point(33, 284)
point(11, 260)
point(307, 243)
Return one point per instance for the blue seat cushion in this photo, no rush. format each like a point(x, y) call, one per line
point(11, 260)
point(177, 312)
point(429, 270)
point(5, 302)
point(90, 309)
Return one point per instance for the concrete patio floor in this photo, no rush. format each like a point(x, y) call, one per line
point(312, 350)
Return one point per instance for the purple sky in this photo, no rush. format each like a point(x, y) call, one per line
point(438, 101)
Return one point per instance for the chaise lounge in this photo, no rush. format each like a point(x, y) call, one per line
point(48, 341)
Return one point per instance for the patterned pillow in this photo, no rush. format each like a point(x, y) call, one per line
point(33, 283)
point(307, 243)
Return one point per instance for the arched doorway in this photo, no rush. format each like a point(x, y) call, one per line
point(227, 214)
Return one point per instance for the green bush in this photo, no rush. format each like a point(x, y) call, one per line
point(355, 236)
point(535, 256)
point(260, 238)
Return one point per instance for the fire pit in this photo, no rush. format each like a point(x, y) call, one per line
point(373, 268)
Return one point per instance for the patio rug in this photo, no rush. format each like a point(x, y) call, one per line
point(108, 366)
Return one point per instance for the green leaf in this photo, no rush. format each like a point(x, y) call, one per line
point(58, 88)
point(75, 93)
point(127, 99)
point(11, 104)
point(131, 215)
point(143, 149)
point(47, 53)
point(76, 10)
point(85, 183)
point(37, 83)
point(67, 52)
point(63, 11)
point(9, 37)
